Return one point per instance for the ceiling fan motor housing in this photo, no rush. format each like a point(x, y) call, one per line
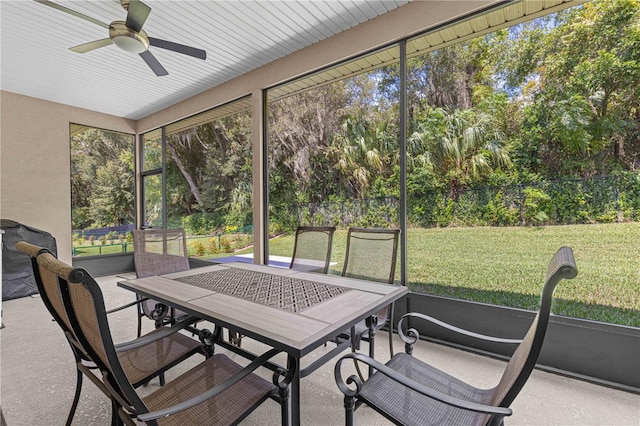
point(127, 39)
point(129, 36)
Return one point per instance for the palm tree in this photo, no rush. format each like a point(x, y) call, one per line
point(363, 150)
point(467, 148)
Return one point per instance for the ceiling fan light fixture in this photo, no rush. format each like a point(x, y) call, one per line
point(129, 36)
point(127, 39)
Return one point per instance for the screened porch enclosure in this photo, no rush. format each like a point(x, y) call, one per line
point(347, 145)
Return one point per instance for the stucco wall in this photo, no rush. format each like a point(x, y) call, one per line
point(35, 184)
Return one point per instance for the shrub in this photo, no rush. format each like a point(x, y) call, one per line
point(535, 203)
point(609, 213)
point(225, 246)
point(237, 219)
point(374, 219)
point(423, 207)
point(200, 223)
point(197, 248)
point(212, 246)
point(444, 213)
point(571, 202)
point(319, 218)
point(497, 213)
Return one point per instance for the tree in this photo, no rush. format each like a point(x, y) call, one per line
point(101, 178)
point(447, 78)
point(300, 128)
point(209, 170)
point(363, 150)
point(467, 149)
point(112, 202)
point(581, 76)
point(227, 184)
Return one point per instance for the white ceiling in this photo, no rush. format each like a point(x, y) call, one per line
point(239, 36)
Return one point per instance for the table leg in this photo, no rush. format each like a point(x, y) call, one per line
point(294, 396)
point(371, 322)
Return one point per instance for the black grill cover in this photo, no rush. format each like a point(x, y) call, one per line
point(17, 274)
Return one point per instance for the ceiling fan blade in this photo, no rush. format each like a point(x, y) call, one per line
point(92, 45)
point(153, 63)
point(73, 12)
point(176, 47)
point(137, 15)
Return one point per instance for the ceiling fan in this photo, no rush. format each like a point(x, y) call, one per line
point(129, 35)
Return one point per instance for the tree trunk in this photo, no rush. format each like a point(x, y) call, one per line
point(192, 185)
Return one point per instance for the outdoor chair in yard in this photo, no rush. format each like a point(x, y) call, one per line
point(371, 255)
point(312, 249)
point(408, 391)
point(141, 359)
point(217, 391)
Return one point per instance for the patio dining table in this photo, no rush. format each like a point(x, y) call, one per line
point(292, 311)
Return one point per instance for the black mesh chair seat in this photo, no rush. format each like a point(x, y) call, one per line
point(408, 407)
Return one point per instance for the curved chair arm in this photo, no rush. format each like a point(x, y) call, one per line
point(134, 303)
point(165, 412)
point(417, 387)
point(282, 377)
point(155, 336)
point(412, 335)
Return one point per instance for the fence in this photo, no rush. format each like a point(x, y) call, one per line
point(568, 201)
point(371, 212)
point(98, 247)
point(601, 199)
point(99, 232)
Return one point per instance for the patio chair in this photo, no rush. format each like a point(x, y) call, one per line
point(312, 249)
point(371, 255)
point(216, 391)
point(157, 252)
point(408, 391)
point(141, 359)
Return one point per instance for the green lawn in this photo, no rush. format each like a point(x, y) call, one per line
point(507, 266)
point(98, 248)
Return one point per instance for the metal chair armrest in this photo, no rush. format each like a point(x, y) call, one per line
point(410, 336)
point(128, 305)
point(165, 412)
point(155, 336)
point(417, 387)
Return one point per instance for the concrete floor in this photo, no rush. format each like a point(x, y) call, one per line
point(38, 377)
